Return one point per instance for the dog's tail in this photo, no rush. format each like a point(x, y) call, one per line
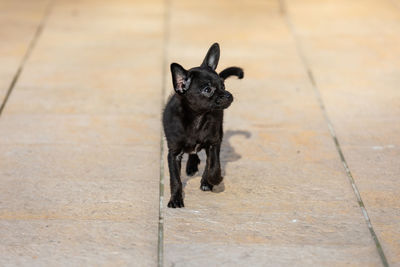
point(232, 71)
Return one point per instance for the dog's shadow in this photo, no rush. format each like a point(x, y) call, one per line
point(228, 154)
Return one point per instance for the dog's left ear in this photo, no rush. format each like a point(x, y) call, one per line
point(212, 57)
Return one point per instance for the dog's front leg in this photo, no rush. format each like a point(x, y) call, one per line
point(212, 173)
point(174, 165)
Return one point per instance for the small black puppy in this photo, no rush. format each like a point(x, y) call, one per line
point(192, 121)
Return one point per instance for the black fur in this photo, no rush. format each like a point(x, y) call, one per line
point(193, 119)
point(232, 71)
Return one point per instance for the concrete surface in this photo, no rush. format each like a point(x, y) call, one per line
point(80, 140)
point(19, 22)
point(364, 103)
point(80, 134)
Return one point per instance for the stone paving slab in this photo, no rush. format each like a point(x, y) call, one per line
point(19, 21)
point(74, 243)
point(69, 182)
point(354, 53)
point(80, 129)
point(287, 199)
point(79, 149)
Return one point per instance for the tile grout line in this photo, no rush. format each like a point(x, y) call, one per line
point(160, 248)
point(284, 13)
point(28, 52)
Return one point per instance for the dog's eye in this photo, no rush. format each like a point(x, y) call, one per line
point(207, 90)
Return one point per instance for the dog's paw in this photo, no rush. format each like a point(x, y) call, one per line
point(205, 186)
point(176, 202)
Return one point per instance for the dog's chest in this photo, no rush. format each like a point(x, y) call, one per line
point(193, 148)
point(201, 132)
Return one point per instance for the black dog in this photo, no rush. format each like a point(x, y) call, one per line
point(192, 121)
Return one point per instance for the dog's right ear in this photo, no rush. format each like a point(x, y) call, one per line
point(179, 78)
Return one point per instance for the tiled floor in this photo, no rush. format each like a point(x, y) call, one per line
point(311, 153)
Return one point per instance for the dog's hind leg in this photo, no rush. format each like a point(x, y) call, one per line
point(192, 165)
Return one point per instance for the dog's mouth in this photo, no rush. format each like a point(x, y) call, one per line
point(223, 106)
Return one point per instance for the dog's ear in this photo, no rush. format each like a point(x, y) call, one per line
point(179, 78)
point(212, 57)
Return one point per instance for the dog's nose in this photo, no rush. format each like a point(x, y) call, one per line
point(225, 97)
point(228, 96)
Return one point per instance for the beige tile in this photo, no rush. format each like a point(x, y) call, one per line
point(19, 21)
point(287, 200)
point(79, 182)
point(79, 149)
point(138, 129)
point(354, 54)
point(75, 242)
point(79, 205)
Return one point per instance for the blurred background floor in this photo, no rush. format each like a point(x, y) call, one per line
point(311, 155)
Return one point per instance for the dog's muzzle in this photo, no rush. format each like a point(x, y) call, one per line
point(224, 100)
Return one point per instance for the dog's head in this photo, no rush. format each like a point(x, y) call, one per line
point(202, 88)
